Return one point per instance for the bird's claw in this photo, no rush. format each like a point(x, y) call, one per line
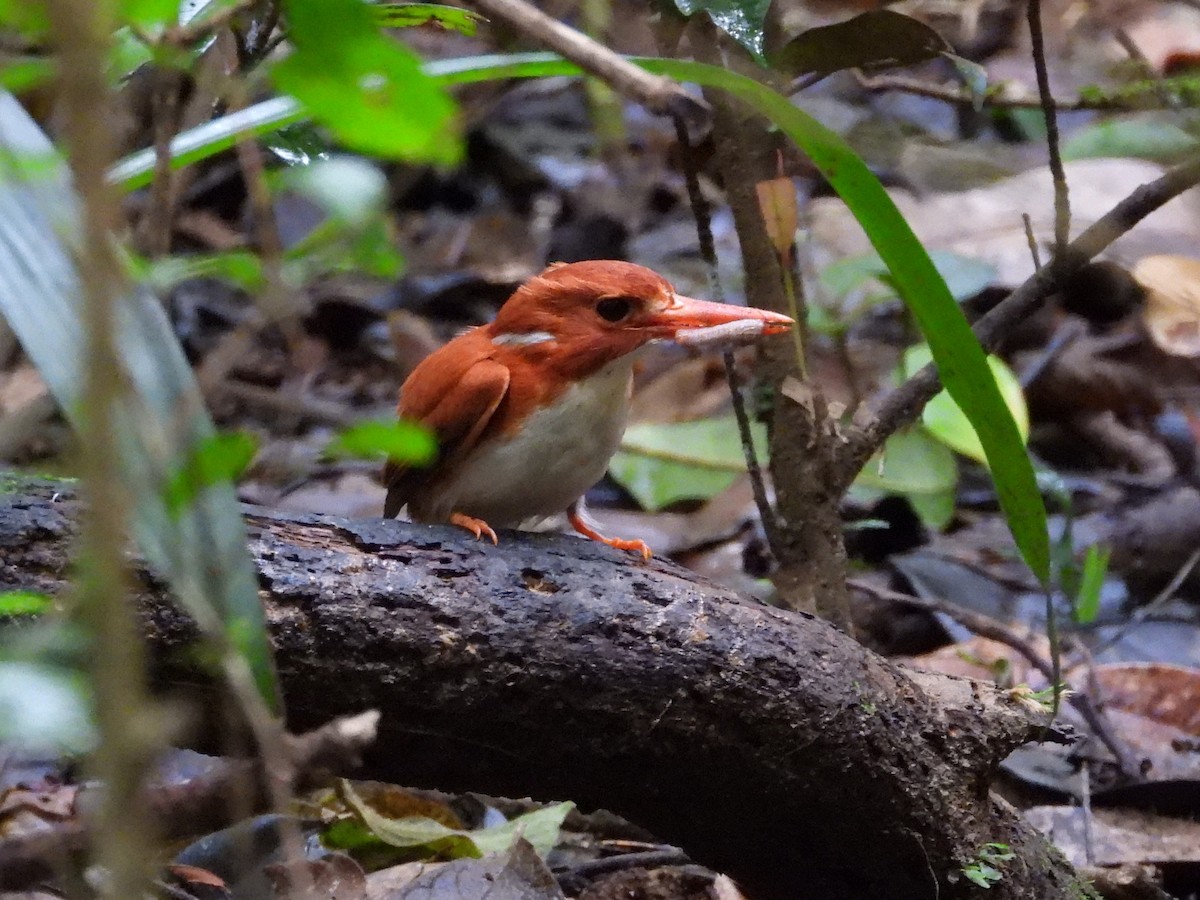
point(477, 527)
point(621, 544)
point(582, 523)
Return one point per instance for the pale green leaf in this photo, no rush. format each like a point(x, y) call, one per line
point(946, 421)
point(398, 440)
point(44, 707)
point(1095, 570)
point(920, 468)
point(539, 827)
point(409, 15)
point(24, 603)
point(661, 464)
point(1147, 137)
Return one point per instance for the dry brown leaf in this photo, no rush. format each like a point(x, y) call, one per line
point(1158, 691)
point(1117, 835)
point(777, 200)
point(1172, 313)
point(985, 223)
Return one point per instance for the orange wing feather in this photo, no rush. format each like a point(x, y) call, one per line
point(454, 393)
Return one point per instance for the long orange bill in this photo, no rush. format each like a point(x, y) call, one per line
point(695, 322)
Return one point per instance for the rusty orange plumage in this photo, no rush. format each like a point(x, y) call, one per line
point(529, 409)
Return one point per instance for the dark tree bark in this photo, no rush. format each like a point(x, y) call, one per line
point(765, 743)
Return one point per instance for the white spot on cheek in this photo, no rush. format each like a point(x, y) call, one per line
point(743, 328)
point(523, 339)
point(664, 303)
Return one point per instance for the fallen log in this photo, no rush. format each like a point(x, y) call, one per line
point(766, 743)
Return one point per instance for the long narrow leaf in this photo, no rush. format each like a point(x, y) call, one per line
point(960, 359)
point(200, 550)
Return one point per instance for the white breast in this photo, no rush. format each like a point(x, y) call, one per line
point(542, 469)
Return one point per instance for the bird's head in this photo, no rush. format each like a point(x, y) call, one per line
point(594, 312)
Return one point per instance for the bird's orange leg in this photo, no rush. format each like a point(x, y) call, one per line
point(477, 527)
point(581, 523)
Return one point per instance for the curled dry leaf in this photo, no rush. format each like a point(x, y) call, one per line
point(1172, 312)
point(777, 200)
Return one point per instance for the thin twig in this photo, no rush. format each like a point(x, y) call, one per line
point(648, 859)
point(657, 93)
point(197, 29)
point(1085, 804)
point(963, 98)
point(1062, 206)
point(708, 251)
point(156, 225)
point(987, 627)
point(903, 405)
point(254, 46)
point(804, 82)
point(1031, 239)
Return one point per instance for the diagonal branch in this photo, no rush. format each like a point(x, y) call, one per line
point(656, 92)
point(903, 405)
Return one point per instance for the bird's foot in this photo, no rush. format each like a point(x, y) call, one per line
point(578, 518)
point(477, 527)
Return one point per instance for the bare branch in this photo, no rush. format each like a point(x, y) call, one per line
point(658, 94)
point(1062, 206)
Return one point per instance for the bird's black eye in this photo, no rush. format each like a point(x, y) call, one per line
point(614, 309)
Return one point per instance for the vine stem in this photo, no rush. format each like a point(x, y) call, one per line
point(708, 251)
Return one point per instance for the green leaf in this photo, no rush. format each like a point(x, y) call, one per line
point(44, 707)
point(919, 467)
point(982, 874)
point(540, 828)
point(238, 267)
point(209, 139)
point(408, 15)
point(24, 603)
point(218, 459)
point(879, 39)
point(346, 187)
point(22, 73)
point(201, 551)
point(974, 76)
point(742, 20)
point(30, 20)
point(367, 89)
point(1147, 137)
point(1095, 569)
point(398, 440)
point(965, 276)
point(127, 54)
point(195, 12)
point(148, 14)
point(661, 464)
point(946, 420)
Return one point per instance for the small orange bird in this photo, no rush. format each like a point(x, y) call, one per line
point(529, 409)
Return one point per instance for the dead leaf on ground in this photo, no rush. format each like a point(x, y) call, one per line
point(1119, 836)
point(983, 659)
point(1172, 312)
point(1165, 693)
point(985, 223)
